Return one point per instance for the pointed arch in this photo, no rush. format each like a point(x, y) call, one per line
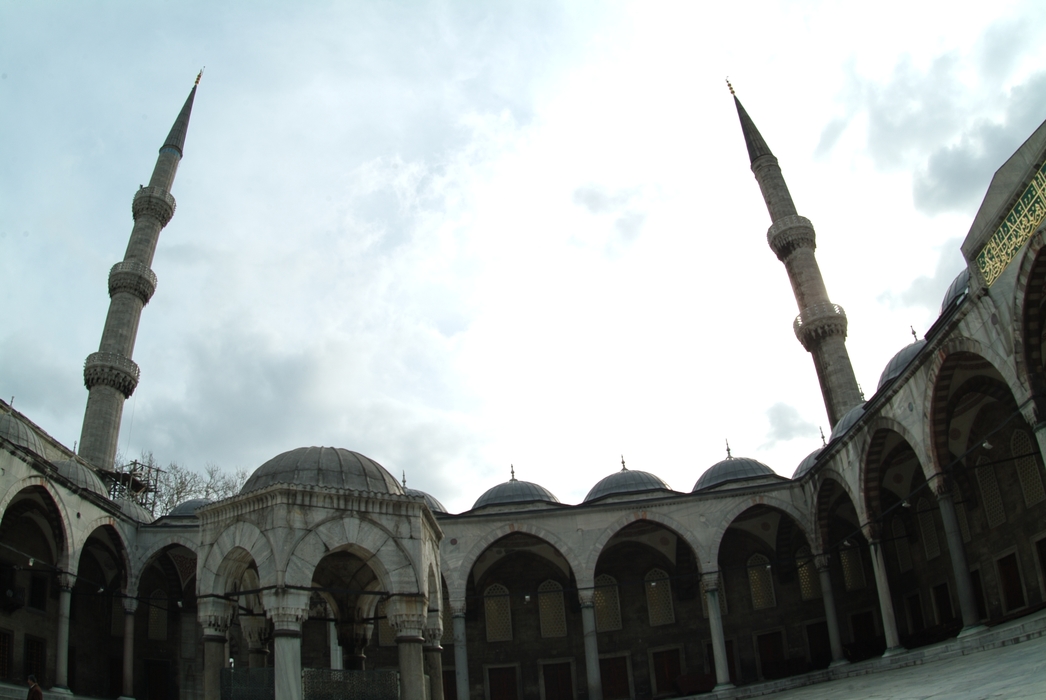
point(148, 553)
point(214, 574)
point(726, 519)
point(871, 463)
point(60, 514)
point(587, 578)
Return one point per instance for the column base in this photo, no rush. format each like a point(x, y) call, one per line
point(59, 690)
point(838, 662)
point(972, 629)
point(723, 686)
point(124, 697)
point(894, 651)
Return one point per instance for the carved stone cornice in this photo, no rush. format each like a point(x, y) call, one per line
point(818, 322)
point(111, 369)
point(789, 233)
point(153, 202)
point(134, 278)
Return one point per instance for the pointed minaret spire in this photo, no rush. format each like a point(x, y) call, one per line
point(821, 325)
point(109, 374)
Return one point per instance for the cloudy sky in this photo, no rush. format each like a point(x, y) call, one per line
point(456, 236)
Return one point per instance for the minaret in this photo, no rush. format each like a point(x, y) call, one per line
point(820, 325)
point(109, 374)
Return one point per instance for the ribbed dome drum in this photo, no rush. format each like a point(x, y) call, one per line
point(326, 467)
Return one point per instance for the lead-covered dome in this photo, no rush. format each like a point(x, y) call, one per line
point(957, 289)
point(326, 467)
point(732, 469)
point(514, 491)
point(807, 464)
point(847, 421)
point(434, 505)
point(626, 481)
point(135, 510)
point(899, 361)
point(187, 509)
point(83, 477)
point(20, 434)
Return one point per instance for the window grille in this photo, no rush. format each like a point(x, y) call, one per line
point(1027, 468)
point(960, 513)
point(986, 479)
point(761, 582)
point(607, 604)
point(853, 568)
point(35, 657)
point(659, 598)
point(448, 625)
point(900, 545)
point(498, 610)
point(551, 610)
point(157, 616)
point(809, 581)
point(928, 530)
point(386, 635)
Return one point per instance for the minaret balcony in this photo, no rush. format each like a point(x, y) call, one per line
point(790, 233)
point(818, 322)
point(134, 278)
point(113, 370)
point(155, 202)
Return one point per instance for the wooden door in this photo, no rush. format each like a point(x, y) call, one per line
point(667, 668)
point(771, 655)
point(558, 681)
point(502, 683)
point(614, 673)
point(1010, 582)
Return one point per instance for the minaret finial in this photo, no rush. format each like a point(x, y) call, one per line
point(199, 75)
point(728, 455)
point(404, 478)
point(512, 468)
point(730, 86)
point(914, 334)
point(623, 467)
point(824, 443)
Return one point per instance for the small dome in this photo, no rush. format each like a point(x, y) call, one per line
point(732, 469)
point(20, 434)
point(847, 421)
point(83, 477)
point(187, 509)
point(135, 511)
point(434, 505)
point(626, 481)
point(326, 467)
point(513, 491)
point(899, 361)
point(807, 464)
point(957, 289)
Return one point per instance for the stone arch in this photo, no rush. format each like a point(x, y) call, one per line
point(462, 570)
point(768, 500)
point(393, 566)
point(825, 496)
point(1029, 320)
point(130, 583)
point(587, 577)
point(59, 515)
point(871, 478)
point(214, 570)
point(142, 561)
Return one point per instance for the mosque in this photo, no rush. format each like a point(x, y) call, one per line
point(923, 517)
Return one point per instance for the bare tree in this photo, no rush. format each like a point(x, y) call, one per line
point(178, 484)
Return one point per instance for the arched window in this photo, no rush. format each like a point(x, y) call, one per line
point(928, 530)
point(158, 616)
point(809, 581)
point(986, 479)
point(551, 610)
point(498, 611)
point(853, 568)
point(386, 635)
point(761, 582)
point(659, 598)
point(1027, 468)
point(607, 604)
point(900, 544)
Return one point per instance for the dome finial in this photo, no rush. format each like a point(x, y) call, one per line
point(404, 478)
point(730, 86)
point(914, 334)
point(623, 467)
point(512, 469)
point(728, 455)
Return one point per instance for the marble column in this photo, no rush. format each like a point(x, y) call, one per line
point(256, 632)
point(710, 583)
point(830, 615)
point(461, 653)
point(65, 599)
point(882, 587)
point(433, 651)
point(287, 609)
point(214, 615)
point(130, 605)
point(352, 641)
point(407, 613)
point(337, 655)
point(971, 621)
point(588, 628)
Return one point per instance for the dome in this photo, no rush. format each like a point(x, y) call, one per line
point(187, 509)
point(434, 505)
point(83, 477)
point(899, 361)
point(513, 491)
point(807, 464)
point(20, 434)
point(957, 289)
point(847, 421)
point(326, 467)
point(135, 511)
point(732, 469)
point(626, 481)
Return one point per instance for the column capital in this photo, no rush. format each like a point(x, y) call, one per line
point(66, 581)
point(287, 608)
point(710, 581)
point(457, 607)
point(942, 485)
point(129, 605)
point(587, 598)
point(433, 630)
point(821, 562)
point(407, 613)
point(256, 630)
point(215, 615)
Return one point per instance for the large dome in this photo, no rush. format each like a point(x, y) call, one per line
point(187, 509)
point(83, 477)
point(513, 491)
point(20, 434)
point(626, 481)
point(732, 469)
point(434, 505)
point(807, 464)
point(847, 421)
point(326, 467)
point(899, 361)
